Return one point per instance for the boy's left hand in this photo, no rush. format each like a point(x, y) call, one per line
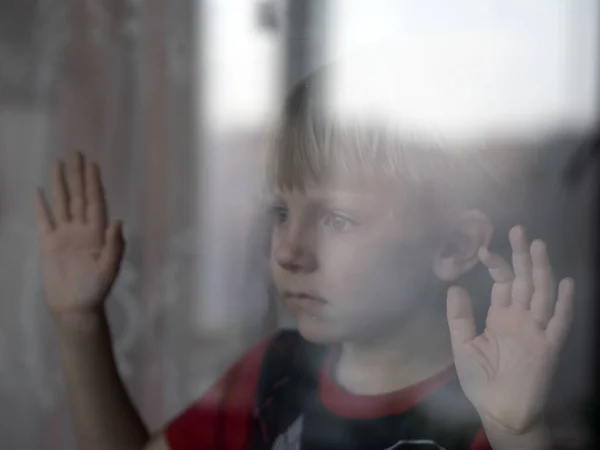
point(506, 371)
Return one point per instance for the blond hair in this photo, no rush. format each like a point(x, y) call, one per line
point(311, 144)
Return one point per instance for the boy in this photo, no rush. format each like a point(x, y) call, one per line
point(368, 233)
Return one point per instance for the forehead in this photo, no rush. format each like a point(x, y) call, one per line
point(369, 195)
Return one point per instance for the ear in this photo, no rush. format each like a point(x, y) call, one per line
point(458, 254)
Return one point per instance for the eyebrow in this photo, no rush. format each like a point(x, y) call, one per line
point(335, 195)
point(331, 200)
point(275, 198)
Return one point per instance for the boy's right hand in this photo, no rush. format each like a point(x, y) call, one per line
point(81, 253)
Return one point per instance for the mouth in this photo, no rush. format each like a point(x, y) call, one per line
point(304, 301)
point(303, 296)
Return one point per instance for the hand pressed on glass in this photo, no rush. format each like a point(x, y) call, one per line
point(81, 252)
point(506, 370)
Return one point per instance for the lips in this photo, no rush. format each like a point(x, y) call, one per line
point(306, 302)
point(303, 296)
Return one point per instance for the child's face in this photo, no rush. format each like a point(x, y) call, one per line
point(349, 263)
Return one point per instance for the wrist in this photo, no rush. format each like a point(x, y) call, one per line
point(79, 321)
point(536, 437)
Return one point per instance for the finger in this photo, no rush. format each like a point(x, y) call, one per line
point(95, 201)
point(542, 302)
point(559, 324)
point(112, 253)
point(44, 218)
point(499, 269)
point(522, 288)
point(501, 293)
point(520, 248)
point(60, 196)
point(77, 187)
point(460, 316)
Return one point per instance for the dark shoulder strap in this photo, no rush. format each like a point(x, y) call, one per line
point(289, 359)
point(288, 378)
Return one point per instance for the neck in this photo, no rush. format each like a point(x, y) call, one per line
point(408, 353)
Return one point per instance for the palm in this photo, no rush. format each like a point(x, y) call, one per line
point(80, 255)
point(506, 370)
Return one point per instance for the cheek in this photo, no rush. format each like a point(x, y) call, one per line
point(274, 267)
point(273, 246)
point(375, 273)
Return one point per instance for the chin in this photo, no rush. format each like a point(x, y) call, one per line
point(325, 331)
point(318, 330)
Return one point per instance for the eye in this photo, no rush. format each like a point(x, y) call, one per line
point(338, 222)
point(279, 214)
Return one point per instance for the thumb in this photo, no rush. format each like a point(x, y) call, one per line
point(460, 316)
point(112, 253)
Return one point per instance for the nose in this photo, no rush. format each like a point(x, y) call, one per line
point(293, 253)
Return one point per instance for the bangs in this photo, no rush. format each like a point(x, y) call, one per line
point(314, 144)
point(314, 148)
